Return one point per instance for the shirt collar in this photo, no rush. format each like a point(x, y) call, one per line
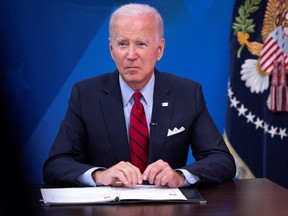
point(147, 91)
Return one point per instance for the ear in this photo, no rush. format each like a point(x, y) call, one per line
point(161, 49)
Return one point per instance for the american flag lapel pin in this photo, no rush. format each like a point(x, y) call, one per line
point(165, 104)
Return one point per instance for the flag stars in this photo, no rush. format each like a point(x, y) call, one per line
point(234, 102)
point(258, 123)
point(266, 127)
point(250, 117)
point(282, 132)
point(272, 130)
point(230, 92)
point(242, 110)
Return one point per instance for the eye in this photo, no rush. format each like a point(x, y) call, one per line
point(141, 44)
point(122, 44)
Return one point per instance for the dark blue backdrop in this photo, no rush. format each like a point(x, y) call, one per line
point(48, 45)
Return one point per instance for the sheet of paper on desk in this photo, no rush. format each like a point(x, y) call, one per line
point(149, 192)
point(77, 195)
point(86, 195)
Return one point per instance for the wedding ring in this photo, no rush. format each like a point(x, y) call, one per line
point(118, 183)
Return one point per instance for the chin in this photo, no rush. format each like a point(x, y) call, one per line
point(132, 75)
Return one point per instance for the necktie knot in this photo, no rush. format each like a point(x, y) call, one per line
point(137, 96)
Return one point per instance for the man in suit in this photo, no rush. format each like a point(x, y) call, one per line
point(92, 146)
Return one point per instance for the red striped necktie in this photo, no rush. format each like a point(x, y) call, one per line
point(138, 134)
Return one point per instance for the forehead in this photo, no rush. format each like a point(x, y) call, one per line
point(134, 25)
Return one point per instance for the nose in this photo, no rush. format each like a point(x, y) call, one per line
point(132, 54)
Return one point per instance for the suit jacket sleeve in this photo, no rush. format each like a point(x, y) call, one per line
point(92, 134)
point(66, 159)
point(186, 107)
point(214, 163)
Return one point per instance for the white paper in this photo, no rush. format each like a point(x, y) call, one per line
point(77, 195)
point(82, 195)
point(150, 192)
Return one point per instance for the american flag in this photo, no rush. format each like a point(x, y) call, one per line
point(257, 123)
point(274, 60)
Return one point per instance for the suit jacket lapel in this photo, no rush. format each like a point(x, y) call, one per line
point(112, 107)
point(162, 114)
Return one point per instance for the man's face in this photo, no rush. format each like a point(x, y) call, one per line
point(135, 49)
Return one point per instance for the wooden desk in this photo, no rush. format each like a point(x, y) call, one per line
point(247, 197)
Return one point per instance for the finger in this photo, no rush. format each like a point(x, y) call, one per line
point(159, 179)
point(120, 174)
point(172, 179)
point(136, 175)
point(146, 173)
point(154, 170)
point(167, 178)
point(120, 178)
point(164, 174)
point(150, 173)
point(131, 173)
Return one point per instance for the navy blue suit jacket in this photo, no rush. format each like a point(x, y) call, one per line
point(94, 133)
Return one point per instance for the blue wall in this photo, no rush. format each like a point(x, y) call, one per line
point(46, 46)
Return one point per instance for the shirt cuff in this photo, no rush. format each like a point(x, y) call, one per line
point(86, 177)
point(189, 178)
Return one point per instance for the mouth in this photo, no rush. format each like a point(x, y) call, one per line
point(132, 68)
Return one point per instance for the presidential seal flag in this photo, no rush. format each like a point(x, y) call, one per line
point(257, 100)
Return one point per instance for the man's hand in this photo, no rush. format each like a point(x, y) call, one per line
point(121, 174)
point(160, 173)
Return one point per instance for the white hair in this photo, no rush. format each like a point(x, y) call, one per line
point(133, 9)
